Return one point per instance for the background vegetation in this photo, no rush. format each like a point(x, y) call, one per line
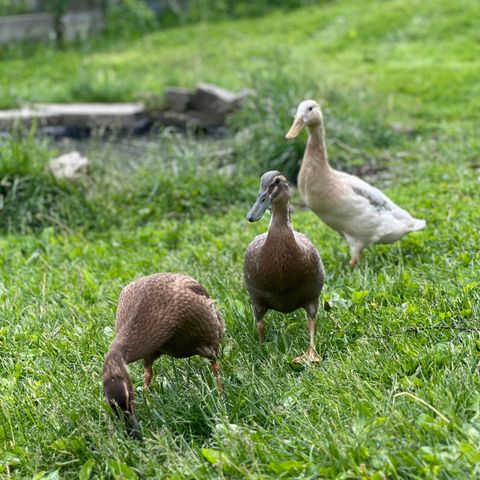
point(398, 82)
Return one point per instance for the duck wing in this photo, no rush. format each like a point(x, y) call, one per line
point(384, 218)
point(378, 200)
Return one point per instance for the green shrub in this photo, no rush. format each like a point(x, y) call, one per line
point(130, 18)
point(102, 85)
point(30, 197)
point(14, 7)
point(22, 157)
point(213, 10)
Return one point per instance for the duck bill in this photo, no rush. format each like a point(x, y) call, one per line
point(259, 207)
point(296, 128)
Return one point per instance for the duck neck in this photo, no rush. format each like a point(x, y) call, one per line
point(114, 365)
point(280, 225)
point(316, 148)
point(118, 389)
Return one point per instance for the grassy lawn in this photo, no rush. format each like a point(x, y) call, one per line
point(397, 393)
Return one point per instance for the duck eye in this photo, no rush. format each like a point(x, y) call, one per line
point(310, 109)
point(277, 181)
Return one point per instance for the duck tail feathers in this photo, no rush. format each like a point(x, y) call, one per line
point(418, 224)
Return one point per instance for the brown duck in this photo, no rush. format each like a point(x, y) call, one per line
point(282, 269)
point(163, 313)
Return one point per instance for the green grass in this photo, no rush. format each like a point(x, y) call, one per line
point(406, 321)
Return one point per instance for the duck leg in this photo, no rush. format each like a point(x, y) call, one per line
point(311, 354)
point(148, 375)
point(355, 250)
point(353, 262)
point(259, 312)
point(216, 373)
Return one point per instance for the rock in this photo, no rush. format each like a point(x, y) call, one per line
point(193, 119)
point(211, 98)
point(205, 119)
point(69, 166)
point(54, 131)
point(176, 99)
point(142, 126)
point(172, 119)
point(203, 109)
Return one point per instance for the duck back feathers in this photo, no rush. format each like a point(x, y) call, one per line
point(167, 313)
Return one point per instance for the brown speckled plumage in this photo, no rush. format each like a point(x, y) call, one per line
point(164, 313)
point(282, 269)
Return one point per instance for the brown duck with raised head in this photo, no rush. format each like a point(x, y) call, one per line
point(282, 269)
point(362, 214)
point(163, 313)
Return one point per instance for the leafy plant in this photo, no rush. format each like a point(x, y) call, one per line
point(130, 18)
point(103, 85)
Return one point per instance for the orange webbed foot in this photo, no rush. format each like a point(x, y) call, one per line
point(310, 356)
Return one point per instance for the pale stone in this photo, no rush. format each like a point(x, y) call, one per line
point(176, 99)
point(75, 115)
point(69, 166)
point(209, 97)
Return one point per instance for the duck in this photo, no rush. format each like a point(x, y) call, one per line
point(361, 213)
point(159, 314)
point(282, 269)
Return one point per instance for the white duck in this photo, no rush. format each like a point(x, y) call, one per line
point(361, 213)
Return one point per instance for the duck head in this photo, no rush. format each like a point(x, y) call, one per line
point(308, 114)
point(273, 189)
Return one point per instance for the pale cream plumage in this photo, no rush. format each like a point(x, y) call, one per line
point(361, 213)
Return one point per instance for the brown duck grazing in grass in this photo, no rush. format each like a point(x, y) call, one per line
point(362, 214)
point(163, 313)
point(282, 269)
